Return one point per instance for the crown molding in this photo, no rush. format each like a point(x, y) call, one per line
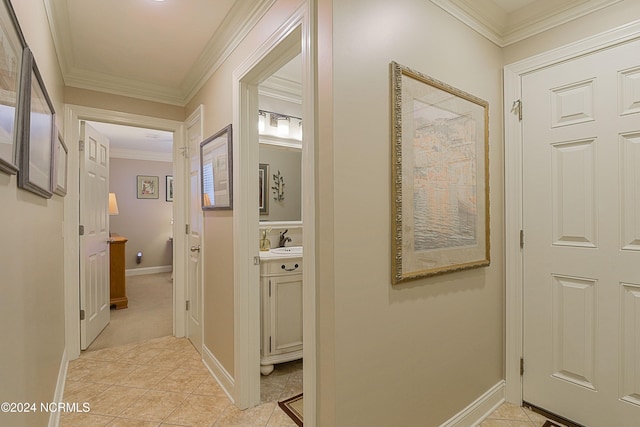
point(242, 17)
point(282, 89)
point(122, 86)
point(123, 153)
point(503, 29)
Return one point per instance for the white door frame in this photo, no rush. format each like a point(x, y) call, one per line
point(246, 219)
point(73, 114)
point(513, 74)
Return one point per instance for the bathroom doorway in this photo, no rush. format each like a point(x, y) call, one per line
point(292, 39)
point(280, 139)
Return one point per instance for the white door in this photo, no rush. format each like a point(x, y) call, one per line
point(94, 249)
point(581, 192)
point(194, 266)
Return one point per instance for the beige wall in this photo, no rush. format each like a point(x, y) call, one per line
point(31, 261)
point(419, 353)
point(145, 222)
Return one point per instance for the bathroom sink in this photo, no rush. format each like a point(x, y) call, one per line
point(290, 250)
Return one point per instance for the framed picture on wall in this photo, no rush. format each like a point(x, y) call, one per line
point(440, 170)
point(11, 70)
point(148, 187)
point(169, 188)
point(263, 188)
point(36, 131)
point(216, 169)
point(60, 167)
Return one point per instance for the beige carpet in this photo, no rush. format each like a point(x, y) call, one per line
point(149, 315)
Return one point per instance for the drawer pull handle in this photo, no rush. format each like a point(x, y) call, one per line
point(295, 267)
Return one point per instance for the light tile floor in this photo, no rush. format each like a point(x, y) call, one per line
point(509, 415)
point(163, 382)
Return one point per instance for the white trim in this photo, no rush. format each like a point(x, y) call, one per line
point(278, 49)
point(479, 409)
point(148, 270)
point(224, 378)
point(513, 74)
point(72, 116)
point(295, 144)
point(54, 417)
point(497, 26)
point(125, 153)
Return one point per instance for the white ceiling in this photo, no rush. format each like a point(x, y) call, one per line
point(164, 51)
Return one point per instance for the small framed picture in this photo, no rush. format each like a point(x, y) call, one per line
point(148, 187)
point(263, 178)
point(169, 188)
point(36, 132)
point(60, 167)
point(216, 168)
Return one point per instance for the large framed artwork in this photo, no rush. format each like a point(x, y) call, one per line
point(36, 131)
point(216, 170)
point(440, 178)
point(11, 57)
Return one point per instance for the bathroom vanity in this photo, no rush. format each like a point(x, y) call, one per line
point(281, 306)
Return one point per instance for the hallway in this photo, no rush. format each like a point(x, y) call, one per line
point(161, 382)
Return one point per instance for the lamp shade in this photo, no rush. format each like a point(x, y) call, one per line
point(113, 204)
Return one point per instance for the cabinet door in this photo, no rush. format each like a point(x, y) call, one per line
point(286, 314)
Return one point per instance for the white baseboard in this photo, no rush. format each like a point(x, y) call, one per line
point(54, 417)
point(480, 409)
point(218, 371)
point(148, 270)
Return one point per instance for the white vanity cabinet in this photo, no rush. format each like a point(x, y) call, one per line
point(281, 311)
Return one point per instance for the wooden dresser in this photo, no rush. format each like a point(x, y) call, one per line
point(118, 283)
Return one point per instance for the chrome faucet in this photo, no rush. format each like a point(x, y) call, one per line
point(283, 239)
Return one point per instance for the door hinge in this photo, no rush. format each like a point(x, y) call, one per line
point(186, 305)
point(185, 152)
point(81, 230)
point(81, 145)
point(521, 239)
point(81, 314)
point(516, 108)
point(186, 229)
point(521, 366)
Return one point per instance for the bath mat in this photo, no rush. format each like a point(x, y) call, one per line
point(293, 407)
point(550, 424)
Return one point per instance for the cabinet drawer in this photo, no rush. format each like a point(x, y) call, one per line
point(282, 266)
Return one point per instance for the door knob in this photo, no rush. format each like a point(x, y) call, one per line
point(195, 248)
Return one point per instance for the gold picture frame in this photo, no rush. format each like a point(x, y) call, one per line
point(440, 169)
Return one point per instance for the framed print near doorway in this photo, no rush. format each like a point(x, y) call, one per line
point(439, 177)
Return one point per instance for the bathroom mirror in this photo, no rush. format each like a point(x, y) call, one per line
point(281, 190)
point(280, 137)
